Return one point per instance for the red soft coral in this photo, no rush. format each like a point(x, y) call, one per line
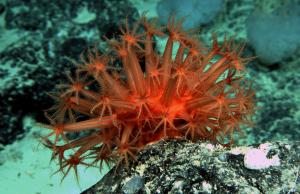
point(196, 94)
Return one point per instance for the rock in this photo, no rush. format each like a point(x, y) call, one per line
point(278, 99)
point(180, 166)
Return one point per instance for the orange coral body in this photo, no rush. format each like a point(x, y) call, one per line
point(196, 94)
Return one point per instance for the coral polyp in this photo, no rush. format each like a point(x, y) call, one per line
point(191, 92)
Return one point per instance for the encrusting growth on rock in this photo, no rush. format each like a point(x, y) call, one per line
point(198, 93)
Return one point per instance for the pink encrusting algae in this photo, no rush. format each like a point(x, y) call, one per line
point(198, 93)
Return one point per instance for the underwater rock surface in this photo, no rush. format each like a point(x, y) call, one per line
point(278, 115)
point(180, 166)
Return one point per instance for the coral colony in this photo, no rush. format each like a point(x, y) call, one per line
point(197, 93)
